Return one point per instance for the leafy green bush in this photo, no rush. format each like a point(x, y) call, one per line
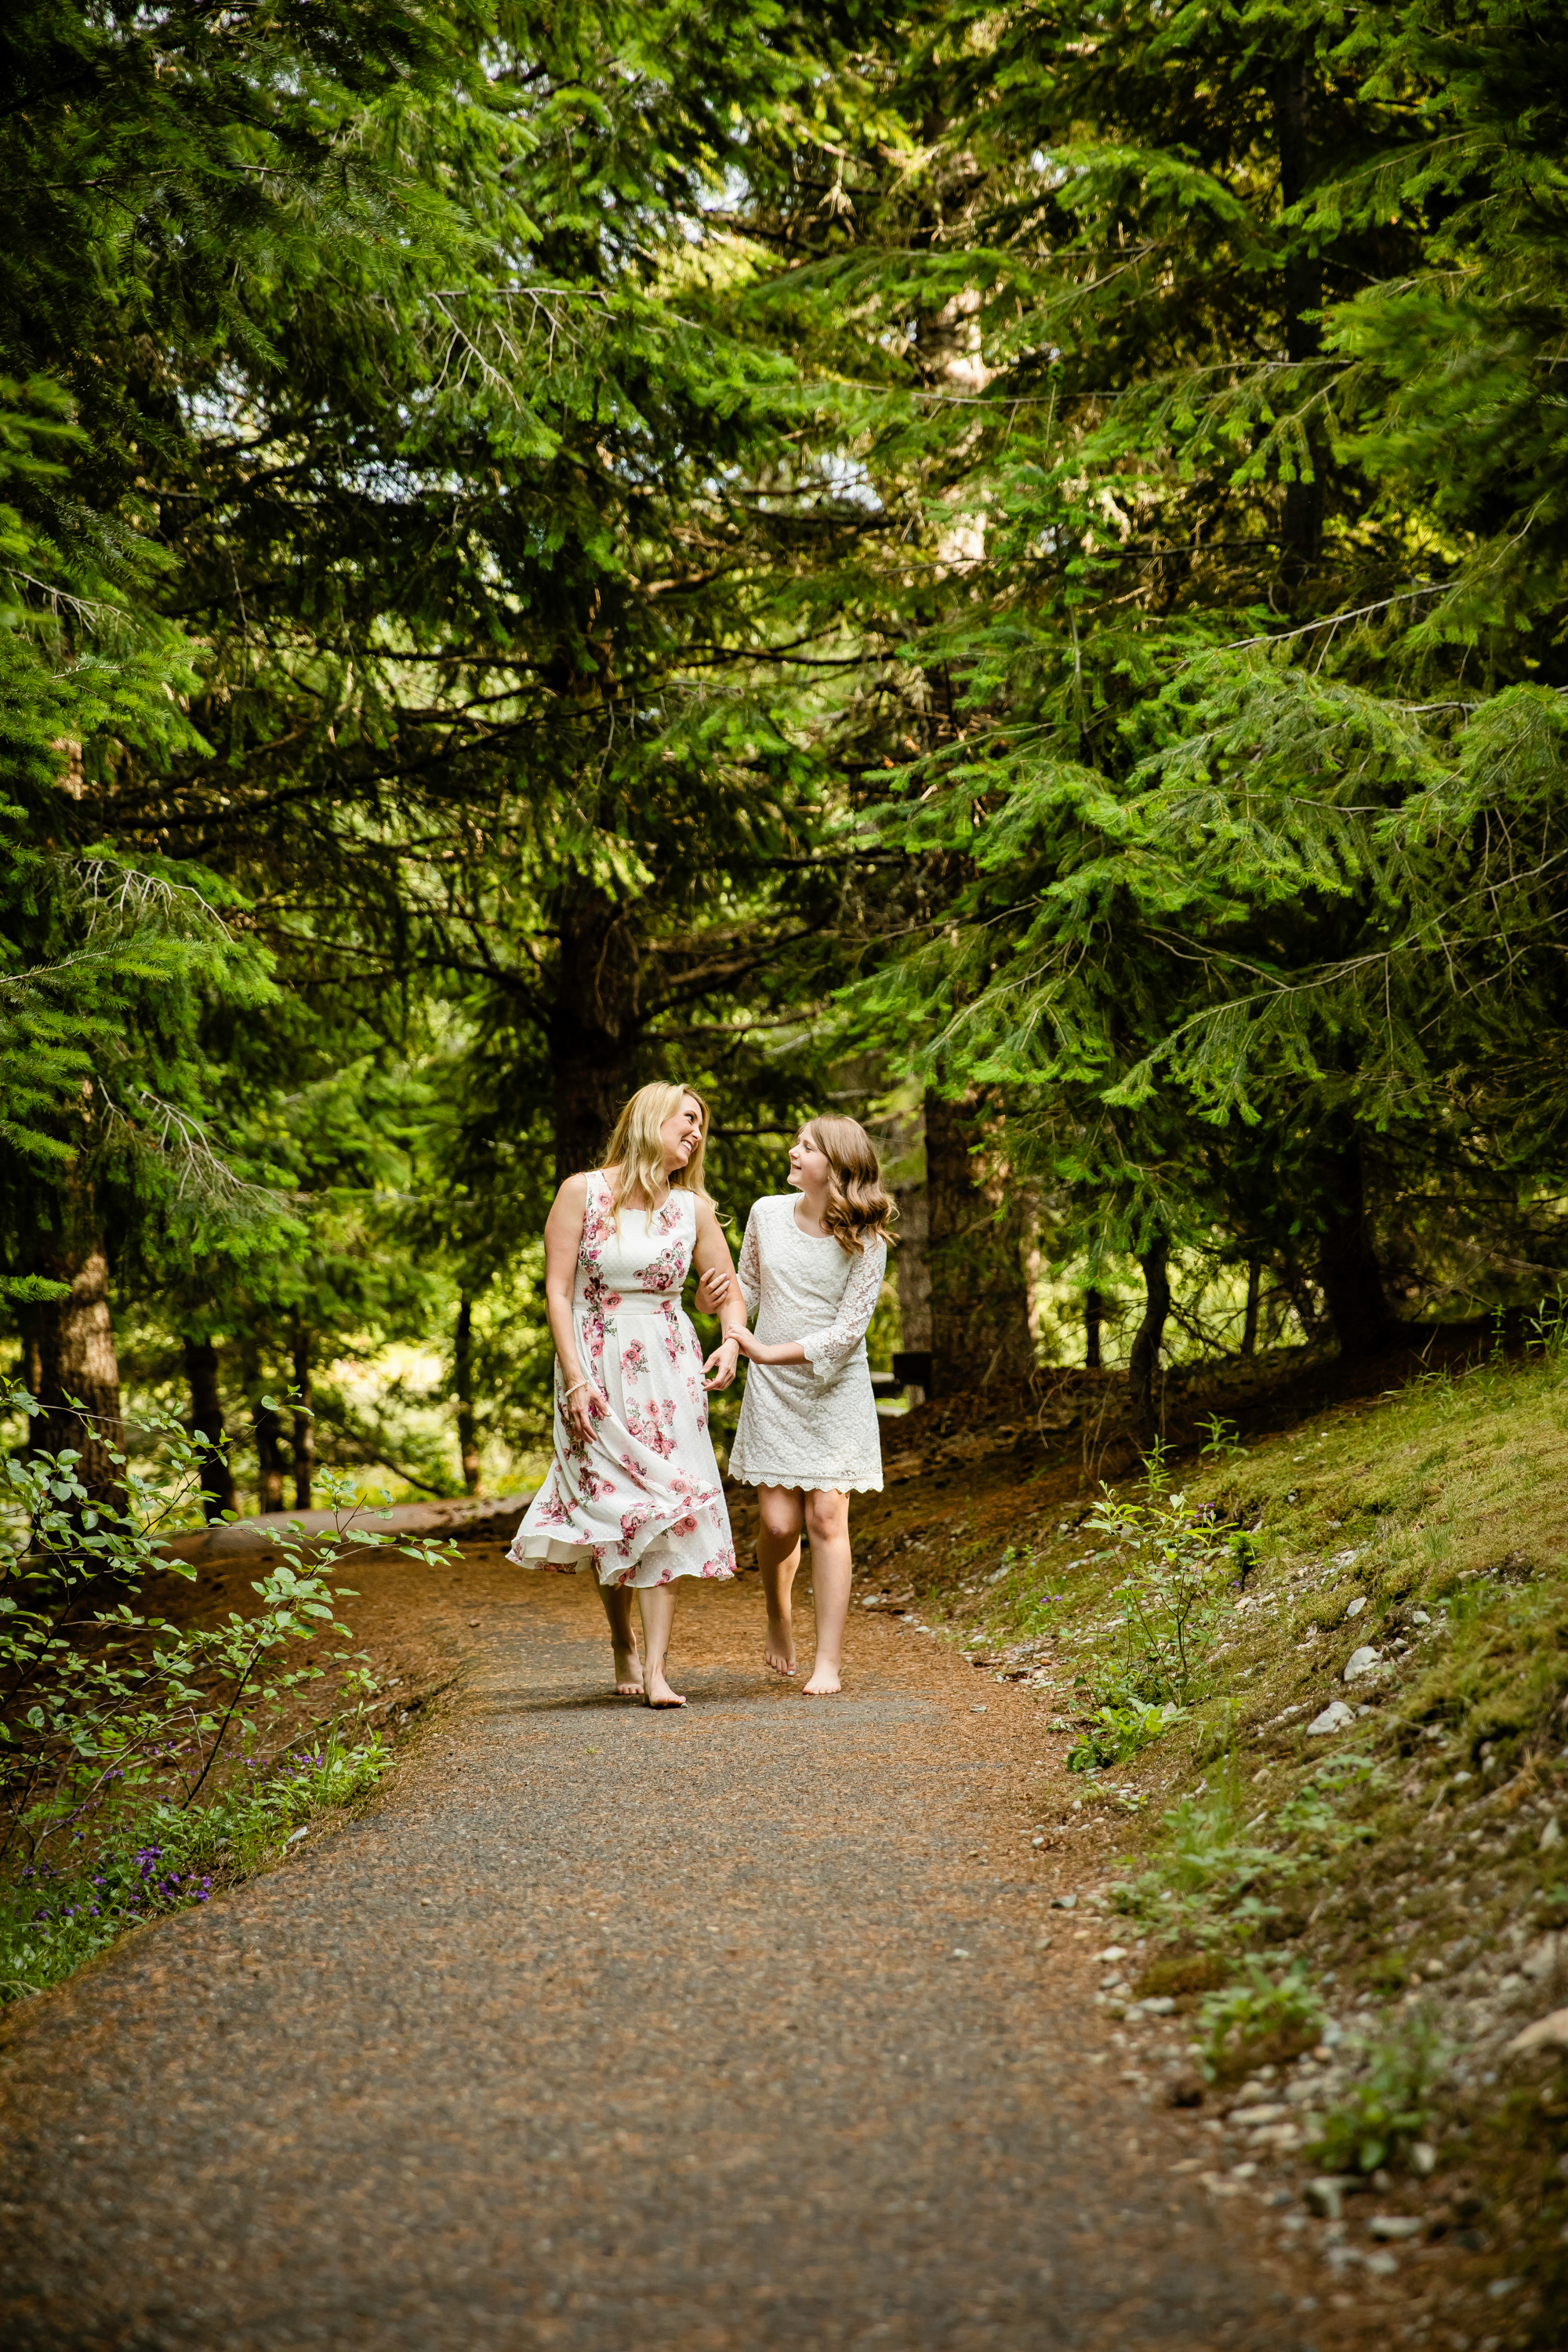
point(1258, 2021)
point(54, 1916)
point(1181, 1561)
point(1389, 2106)
point(1119, 1732)
point(112, 1718)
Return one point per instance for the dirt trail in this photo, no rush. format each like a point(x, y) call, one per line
point(604, 2026)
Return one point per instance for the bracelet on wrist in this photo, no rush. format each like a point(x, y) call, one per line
point(572, 1392)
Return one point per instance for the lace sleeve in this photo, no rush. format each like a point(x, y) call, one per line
point(750, 1268)
point(826, 1350)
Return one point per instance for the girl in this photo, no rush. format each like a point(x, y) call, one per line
point(634, 1491)
point(810, 1270)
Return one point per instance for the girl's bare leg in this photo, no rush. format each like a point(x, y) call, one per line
point(778, 1556)
point(832, 1568)
point(618, 1603)
point(655, 1604)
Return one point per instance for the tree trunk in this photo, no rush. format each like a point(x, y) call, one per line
point(463, 1378)
point(594, 1030)
point(206, 1421)
point(1249, 1317)
point(304, 1423)
point(1143, 1366)
point(979, 1297)
point(1348, 1270)
point(1093, 1316)
point(70, 1350)
point(269, 1431)
point(1302, 292)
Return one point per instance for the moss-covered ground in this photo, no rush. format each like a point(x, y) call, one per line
point(1337, 1907)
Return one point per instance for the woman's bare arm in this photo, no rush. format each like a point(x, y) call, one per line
point(710, 1254)
point(563, 1241)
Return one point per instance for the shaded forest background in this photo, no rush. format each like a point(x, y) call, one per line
point(1001, 567)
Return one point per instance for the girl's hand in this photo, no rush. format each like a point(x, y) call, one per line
point(581, 1409)
point(750, 1346)
point(712, 1290)
point(722, 1364)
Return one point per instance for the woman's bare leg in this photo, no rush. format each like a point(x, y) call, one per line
point(832, 1568)
point(618, 1603)
point(779, 1522)
point(656, 1603)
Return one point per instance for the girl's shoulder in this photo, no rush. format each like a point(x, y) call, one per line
point(768, 1209)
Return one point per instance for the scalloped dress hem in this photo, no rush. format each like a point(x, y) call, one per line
point(810, 1482)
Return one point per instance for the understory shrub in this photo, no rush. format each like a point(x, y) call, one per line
point(1389, 2105)
point(117, 1724)
point(1258, 2021)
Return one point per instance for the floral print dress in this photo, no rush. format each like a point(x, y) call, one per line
point(642, 1503)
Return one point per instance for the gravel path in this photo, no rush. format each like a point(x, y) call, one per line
point(603, 2027)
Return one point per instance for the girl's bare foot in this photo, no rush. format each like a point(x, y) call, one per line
point(629, 1672)
point(823, 1682)
point(779, 1648)
point(657, 1691)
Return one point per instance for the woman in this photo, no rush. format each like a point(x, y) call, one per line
point(810, 1270)
point(634, 1490)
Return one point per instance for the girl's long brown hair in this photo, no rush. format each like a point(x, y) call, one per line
point(860, 1206)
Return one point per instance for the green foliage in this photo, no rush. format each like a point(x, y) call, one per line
point(57, 1913)
point(1172, 1603)
point(1258, 2019)
point(1389, 2105)
point(105, 1701)
point(1119, 1732)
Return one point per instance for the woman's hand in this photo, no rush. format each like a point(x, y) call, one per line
point(581, 1409)
point(715, 1286)
point(720, 1367)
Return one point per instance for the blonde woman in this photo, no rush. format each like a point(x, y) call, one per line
point(634, 1490)
point(811, 1271)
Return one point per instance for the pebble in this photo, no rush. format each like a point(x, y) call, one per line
point(1334, 1717)
point(1356, 1606)
point(1325, 2196)
point(1395, 2226)
point(1550, 1836)
point(1064, 1903)
point(1360, 1664)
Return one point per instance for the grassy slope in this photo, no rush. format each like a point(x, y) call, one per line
point(1385, 1896)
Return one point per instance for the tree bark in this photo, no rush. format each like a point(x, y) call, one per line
point(304, 1423)
point(594, 1029)
point(979, 1297)
point(1144, 1364)
point(1302, 293)
point(463, 1380)
point(269, 1433)
point(70, 1350)
point(1348, 1269)
point(1249, 1316)
point(1093, 1316)
point(206, 1421)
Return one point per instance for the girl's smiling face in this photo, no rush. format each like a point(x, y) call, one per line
point(681, 1133)
point(808, 1167)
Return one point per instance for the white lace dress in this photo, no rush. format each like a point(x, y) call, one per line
point(811, 1424)
point(642, 1503)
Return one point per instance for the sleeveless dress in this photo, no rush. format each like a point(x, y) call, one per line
point(642, 1503)
point(811, 1424)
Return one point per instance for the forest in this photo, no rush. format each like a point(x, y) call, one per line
point(1001, 567)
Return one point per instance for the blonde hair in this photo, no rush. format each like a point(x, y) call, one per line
point(636, 1154)
point(860, 1207)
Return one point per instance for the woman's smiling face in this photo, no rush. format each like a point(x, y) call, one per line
point(807, 1165)
point(681, 1133)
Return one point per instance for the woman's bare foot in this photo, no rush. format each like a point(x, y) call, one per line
point(778, 1650)
point(629, 1672)
point(823, 1682)
point(657, 1691)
